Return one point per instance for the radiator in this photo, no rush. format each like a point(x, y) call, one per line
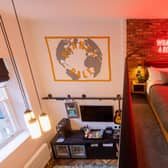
point(40, 158)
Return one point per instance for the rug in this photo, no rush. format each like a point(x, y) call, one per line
point(85, 166)
point(82, 163)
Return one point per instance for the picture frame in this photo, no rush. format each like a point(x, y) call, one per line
point(79, 58)
point(72, 109)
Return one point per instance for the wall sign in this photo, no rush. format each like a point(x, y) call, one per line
point(79, 58)
point(162, 45)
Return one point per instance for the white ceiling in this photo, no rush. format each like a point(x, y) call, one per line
point(88, 9)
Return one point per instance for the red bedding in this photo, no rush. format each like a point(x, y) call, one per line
point(159, 97)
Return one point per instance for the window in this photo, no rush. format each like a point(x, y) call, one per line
point(13, 131)
point(7, 120)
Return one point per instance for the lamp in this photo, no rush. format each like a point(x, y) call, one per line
point(45, 122)
point(139, 75)
point(139, 67)
point(31, 122)
point(28, 115)
point(44, 119)
point(34, 128)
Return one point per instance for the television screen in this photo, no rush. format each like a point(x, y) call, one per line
point(96, 113)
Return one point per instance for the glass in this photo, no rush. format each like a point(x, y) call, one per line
point(45, 122)
point(7, 126)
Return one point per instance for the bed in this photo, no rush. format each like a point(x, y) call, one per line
point(157, 91)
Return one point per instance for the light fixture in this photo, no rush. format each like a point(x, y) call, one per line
point(139, 67)
point(32, 124)
point(139, 76)
point(34, 128)
point(28, 115)
point(45, 122)
point(44, 119)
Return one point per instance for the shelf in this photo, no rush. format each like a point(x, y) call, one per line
point(83, 97)
point(138, 88)
point(95, 134)
point(79, 147)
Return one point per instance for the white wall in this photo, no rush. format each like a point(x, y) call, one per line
point(34, 33)
point(26, 150)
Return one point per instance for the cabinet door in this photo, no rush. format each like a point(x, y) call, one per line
point(101, 151)
point(77, 151)
point(139, 88)
point(61, 151)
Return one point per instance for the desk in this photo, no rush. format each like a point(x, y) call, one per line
point(76, 146)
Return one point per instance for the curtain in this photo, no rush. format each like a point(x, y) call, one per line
point(4, 75)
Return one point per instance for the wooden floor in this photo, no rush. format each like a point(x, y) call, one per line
point(80, 161)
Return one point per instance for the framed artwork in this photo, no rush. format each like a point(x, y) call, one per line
point(72, 109)
point(79, 58)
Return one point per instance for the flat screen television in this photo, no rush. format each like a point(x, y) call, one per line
point(96, 113)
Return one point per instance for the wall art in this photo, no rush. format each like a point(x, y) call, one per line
point(79, 58)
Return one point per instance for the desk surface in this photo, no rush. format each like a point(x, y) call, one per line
point(77, 137)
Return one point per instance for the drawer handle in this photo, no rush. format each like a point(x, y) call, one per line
point(94, 145)
point(108, 145)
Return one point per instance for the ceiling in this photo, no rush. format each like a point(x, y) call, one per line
point(87, 9)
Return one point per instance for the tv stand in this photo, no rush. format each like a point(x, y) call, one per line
point(76, 146)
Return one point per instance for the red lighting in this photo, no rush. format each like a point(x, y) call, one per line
point(162, 45)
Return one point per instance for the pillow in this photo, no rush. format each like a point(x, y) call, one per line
point(164, 76)
point(155, 73)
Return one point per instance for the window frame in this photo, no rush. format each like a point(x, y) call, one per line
point(11, 115)
point(20, 135)
point(15, 97)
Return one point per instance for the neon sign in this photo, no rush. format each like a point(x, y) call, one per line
point(162, 45)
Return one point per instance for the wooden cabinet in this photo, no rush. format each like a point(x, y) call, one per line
point(138, 88)
point(76, 146)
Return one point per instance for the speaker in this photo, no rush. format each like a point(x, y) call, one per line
point(63, 128)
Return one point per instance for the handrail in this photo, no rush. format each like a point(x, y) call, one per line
point(128, 154)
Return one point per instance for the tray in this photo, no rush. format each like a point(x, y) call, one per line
point(95, 134)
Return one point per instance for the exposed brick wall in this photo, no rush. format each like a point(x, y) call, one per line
point(141, 41)
point(142, 35)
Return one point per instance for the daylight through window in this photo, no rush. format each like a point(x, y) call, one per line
point(7, 124)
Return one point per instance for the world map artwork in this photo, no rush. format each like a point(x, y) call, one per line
point(67, 52)
point(79, 58)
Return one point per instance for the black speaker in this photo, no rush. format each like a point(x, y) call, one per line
point(63, 128)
